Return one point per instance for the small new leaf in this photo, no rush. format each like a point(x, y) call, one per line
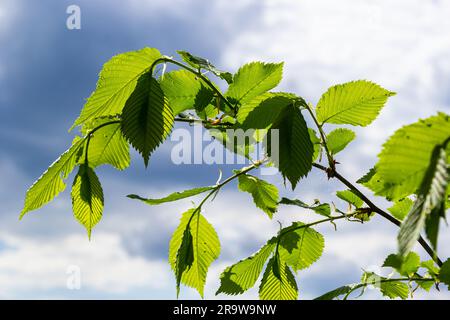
point(338, 139)
point(321, 208)
point(202, 63)
point(406, 266)
point(350, 197)
point(401, 208)
point(389, 288)
point(444, 273)
point(265, 195)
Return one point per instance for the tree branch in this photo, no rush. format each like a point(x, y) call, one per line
point(381, 212)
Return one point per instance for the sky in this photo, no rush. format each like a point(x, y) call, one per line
point(47, 72)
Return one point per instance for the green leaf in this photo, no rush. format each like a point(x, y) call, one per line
point(321, 208)
point(330, 295)
point(116, 82)
point(316, 144)
point(401, 208)
point(147, 118)
point(87, 198)
point(430, 201)
point(202, 63)
point(51, 182)
point(108, 146)
point(238, 141)
point(293, 152)
point(278, 282)
point(264, 194)
point(357, 103)
point(338, 139)
point(300, 246)
point(431, 267)
point(444, 273)
point(262, 111)
point(241, 276)
point(254, 79)
point(185, 91)
point(173, 196)
point(350, 197)
point(185, 257)
point(405, 266)
point(205, 248)
point(406, 155)
point(389, 288)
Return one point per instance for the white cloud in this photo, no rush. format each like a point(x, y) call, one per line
point(402, 45)
point(29, 265)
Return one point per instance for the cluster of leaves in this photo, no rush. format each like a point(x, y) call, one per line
point(406, 275)
point(133, 105)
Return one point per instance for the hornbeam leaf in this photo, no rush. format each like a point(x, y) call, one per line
point(87, 198)
point(350, 197)
point(300, 246)
point(330, 295)
point(357, 103)
point(185, 91)
point(262, 111)
point(430, 201)
point(108, 146)
point(391, 289)
point(320, 208)
point(147, 118)
point(278, 282)
point(205, 249)
point(173, 196)
point(338, 139)
point(241, 276)
point(401, 208)
point(444, 273)
point(405, 266)
point(116, 82)
point(202, 63)
point(293, 152)
point(316, 144)
point(406, 155)
point(51, 182)
point(264, 194)
point(185, 257)
point(254, 79)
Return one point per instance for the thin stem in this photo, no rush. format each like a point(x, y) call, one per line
point(195, 72)
point(220, 185)
point(330, 219)
point(324, 140)
point(379, 211)
point(206, 123)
